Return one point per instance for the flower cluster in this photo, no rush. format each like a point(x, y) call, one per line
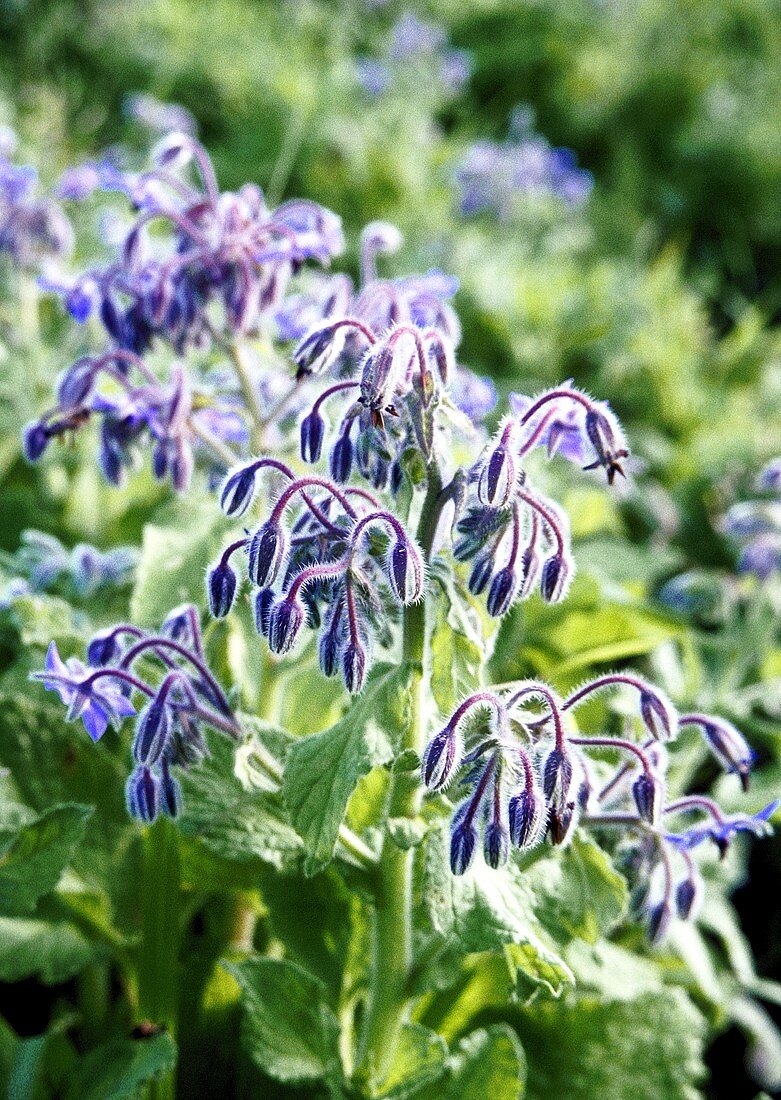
point(524, 775)
point(182, 699)
point(513, 534)
point(137, 413)
point(756, 525)
point(495, 177)
point(412, 46)
point(221, 263)
point(44, 563)
point(32, 229)
point(341, 566)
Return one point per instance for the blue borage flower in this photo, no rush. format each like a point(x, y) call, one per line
point(32, 229)
point(45, 563)
point(413, 44)
point(169, 726)
point(524, 775)
point(342, 566)
point(756, 526)
point(492, 178)
point(225, 247)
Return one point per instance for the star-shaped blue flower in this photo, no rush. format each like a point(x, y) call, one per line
point(97, 703)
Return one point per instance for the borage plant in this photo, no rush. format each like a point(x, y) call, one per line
point(372, 512)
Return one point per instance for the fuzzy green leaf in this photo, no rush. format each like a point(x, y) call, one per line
point(32, 859)
point(487, 1063)
point(51, 950)
point(235, 823)
point(288, 1029)
point(459, 638)
point(646, 1048)
point(323, 770)
point(174, 559)
point(118, 1069)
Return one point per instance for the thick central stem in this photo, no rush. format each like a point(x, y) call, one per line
point(159, 963)
point(392, 944)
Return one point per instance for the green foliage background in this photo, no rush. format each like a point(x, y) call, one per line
point(663, 296)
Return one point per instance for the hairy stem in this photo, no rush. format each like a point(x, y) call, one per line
point(392, 940)
point(158, 994)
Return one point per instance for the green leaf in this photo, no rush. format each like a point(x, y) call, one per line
point(323, 770)
point(578, 892)
point(235, 822)
point(41, 619)
point(52, 761)
point(459, 637)
point(647, 1048)
point(488, 1064)
point(51, 950)
point(33, 858)
point(118, 1069)
point(420, 1060)
point(287, 1028)
point(174, 559)
point(487, 910)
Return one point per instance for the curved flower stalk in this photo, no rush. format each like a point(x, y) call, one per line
point(512, 534)
point(343, 566)
point(523, 776)
point(174, 706)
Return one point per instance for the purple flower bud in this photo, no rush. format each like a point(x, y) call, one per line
point(501, 593)
point(555, 578)
point(312, 433)
point(182, 464)
point(264, 598)
point(606, 439)
point(441, 759)
point(648, 794)
point(142, 795)
point(481, 574)
point(405, 571)
point(341, 463)
point(151, 732)
point(497, 477)
point(170, 792)
point(395, 477)
point(557, 772)
point(528, 816)
point(562, 821)
point(75, 384)
point(354, 667)
point(463, 838)
point(496, 844)
point(35, 440)
point(729, 747)
point(659, 922)
point(329, 650)
point(285, 619)
point(237, 491)
point(688, 894)
point(658, 715)
point(103, 649)
point(79, 303)
point(221, 586)
point(319, 349)
point(266, 552)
